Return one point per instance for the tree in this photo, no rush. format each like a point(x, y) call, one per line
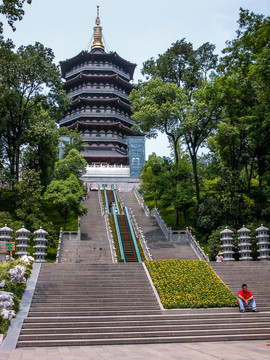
point(189, 69)
point(159, 106)
point(178, 190)
point(29, 196)
point(29, 85)
point(182, 65)
point(150, 182)
point(41, 153)
point(13, 11)
point(66, 196)
point(74, 163)
point(75, 140)
point(247, 60)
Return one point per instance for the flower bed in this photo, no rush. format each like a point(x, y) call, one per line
point(17, 288)
point(189, 284)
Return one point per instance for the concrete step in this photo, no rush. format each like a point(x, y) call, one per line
point(171, 332)
point(96, 312)
point(143, 340)
point(140, 328)
point(144, 325)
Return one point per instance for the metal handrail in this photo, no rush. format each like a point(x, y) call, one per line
point(141, 201)
point(140, 235)
point(106, 198)
point(118, 234)
point(132, 235)
point(115, 200)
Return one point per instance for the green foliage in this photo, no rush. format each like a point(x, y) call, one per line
point(13, 11)
point(66, 196)
point(42, 150)
point(150, 181)
point(75, 140)
point(74, 163)
point(182, 65)
point(28, 192)
point(159, 106)
point(23, 105)
point(189, 284)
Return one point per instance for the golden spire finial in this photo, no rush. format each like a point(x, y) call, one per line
point(97, 43)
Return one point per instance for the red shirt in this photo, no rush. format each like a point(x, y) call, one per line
point(246, 295)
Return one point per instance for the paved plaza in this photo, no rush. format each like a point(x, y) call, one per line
point(252, 350)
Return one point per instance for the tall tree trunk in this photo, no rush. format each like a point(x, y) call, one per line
point(176, 216)
point(17, 164)
point(176, 155)
point(195, 175)
point(185, 217)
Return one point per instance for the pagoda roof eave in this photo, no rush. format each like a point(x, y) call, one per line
point(111, 125)
point(66, 65)
point(83, 76)
point(117, 100)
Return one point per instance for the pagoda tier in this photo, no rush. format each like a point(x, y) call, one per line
point(97, 62)
point(98, 85)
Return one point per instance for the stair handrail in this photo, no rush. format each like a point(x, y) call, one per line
point(59, 247)
point(132, 235)
point(195, 245)
point(100, 201)
point(141, 201)
point(110, 237)
point(115, 200)
point(120, 197)
point(118, 234)
point(79, 228)
point(139, 233)
point(167, 231)
point(106, 198)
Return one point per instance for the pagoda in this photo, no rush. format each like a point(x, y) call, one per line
point(98, 84)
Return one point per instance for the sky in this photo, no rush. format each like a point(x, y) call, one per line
point(137, 30)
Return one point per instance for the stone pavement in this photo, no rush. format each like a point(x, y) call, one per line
point(253, 350)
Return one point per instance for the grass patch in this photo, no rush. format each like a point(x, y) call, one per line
point(53, 216)
point(189, 284)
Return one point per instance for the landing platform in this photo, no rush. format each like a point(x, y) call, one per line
point(117, 175)
point(225, 350)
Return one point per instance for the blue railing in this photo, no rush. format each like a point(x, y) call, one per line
point(133, 236)
point(118, 234)
point(115, 200)
point(106, 199)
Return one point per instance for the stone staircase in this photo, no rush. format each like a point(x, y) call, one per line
point(82, 304)
point(256, 274)
point(89, 301)
point(94, 246)
point(160, 248)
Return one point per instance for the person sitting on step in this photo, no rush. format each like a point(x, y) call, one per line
point(245, 298)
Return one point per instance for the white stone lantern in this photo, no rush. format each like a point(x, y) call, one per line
point(5, 233)
point(5, 236)
point(22, 241)
point(244, 243)
point(40, 247)
point(263, 243)
point(227, 245)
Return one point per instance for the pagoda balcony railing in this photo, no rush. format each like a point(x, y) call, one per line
point(91, 90)
point(105, 138)
point(91, 114)
point(98, 67)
